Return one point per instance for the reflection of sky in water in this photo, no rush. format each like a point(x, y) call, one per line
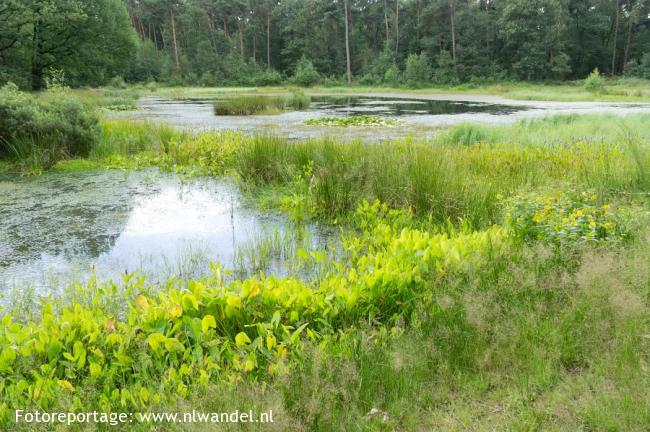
point(421, 115)
point(59, 227)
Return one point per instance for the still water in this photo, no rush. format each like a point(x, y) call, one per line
point(60, 227)
point(419, 116)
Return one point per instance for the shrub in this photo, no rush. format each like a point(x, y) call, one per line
point(641, 70)
point(42, 131)
point(306, 74)
point(392, 75)
point(594, 82)
point(445, 73)
point(117, 82)
point(266, 77)
point(418, 69)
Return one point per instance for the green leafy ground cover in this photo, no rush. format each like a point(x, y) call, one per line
point(494, 278)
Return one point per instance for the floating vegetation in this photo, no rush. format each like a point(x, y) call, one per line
point(261, 104)
point(363, 120)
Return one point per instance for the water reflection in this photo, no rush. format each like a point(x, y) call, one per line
point(61, 226)
point(360, 105)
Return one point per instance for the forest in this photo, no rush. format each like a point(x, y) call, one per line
point(328, 42)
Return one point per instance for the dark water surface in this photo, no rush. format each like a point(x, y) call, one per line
point(396, 107)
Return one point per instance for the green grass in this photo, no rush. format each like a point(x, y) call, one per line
point(457, 176)
point(261, 104)
point(515, 320)
point(614, 90)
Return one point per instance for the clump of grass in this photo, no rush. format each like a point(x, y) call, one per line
point(128, 137)
point(261, 104)
point(363, 120)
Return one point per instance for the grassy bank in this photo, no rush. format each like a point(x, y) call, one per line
point(493, 278)
point(618, 90)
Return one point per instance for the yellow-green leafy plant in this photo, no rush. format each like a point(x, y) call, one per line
point(161, 346)
point(563, 217)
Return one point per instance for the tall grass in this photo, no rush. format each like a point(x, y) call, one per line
point(261, 104)
point(445, 181)
point(442, 179)
point(127, 137)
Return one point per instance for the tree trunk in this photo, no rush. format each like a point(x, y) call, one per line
point(347, 42)
point(268, 40)
point(178, 64)
point(615, 37)
point(452, 19)
point(36, 69)
point(386, 19)
point(628, 42)
point(240, 27)
point(396, 27)
point(417, 23)
point(254, 47)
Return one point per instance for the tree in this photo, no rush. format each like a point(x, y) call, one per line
point(347, 41)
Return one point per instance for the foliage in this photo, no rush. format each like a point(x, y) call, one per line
point(362, 120)
point(392, 75)
point(216, 42)
point(39, 132)
point(64, 34)
point(210, 331)
point(305, 74)
point(445, 72)
point(417, 70)
point(565, 217)
point(423, 288)
point(594, 82)
point(259, 104)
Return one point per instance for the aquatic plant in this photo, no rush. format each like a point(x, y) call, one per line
point(362, 120)
point(261, 104)
point(189, 335)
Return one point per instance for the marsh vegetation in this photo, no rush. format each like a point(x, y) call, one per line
point(261, 104)
point(506, 264)
point(361, 215)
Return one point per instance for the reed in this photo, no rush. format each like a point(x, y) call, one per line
point(261, 104)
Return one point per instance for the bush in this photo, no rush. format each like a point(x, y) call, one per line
point(306, 74)
point(445, 73)
point(117, 82)
point(266, 77)
point(41, 131)
point(594, 82)
point(391, 76)
point(418, 69)
point(641, 70)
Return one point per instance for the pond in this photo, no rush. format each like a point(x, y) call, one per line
point(419, 115)
point(60, 227)
point(394, 107)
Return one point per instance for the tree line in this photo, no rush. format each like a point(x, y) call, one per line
point(258, 42)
